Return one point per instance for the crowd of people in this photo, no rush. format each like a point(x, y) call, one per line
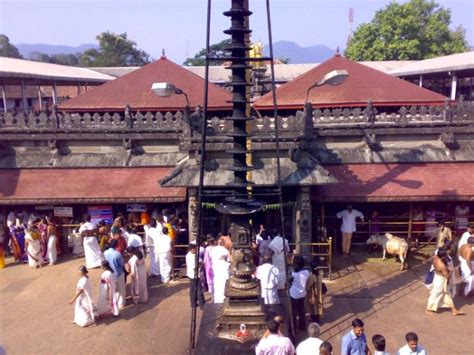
point(444, 277)
point(121, 252)
point(30, 239)
point(354, 342)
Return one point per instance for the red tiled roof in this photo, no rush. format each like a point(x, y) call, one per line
point(134, 89)
point(398, 182)
point(89, 185)
point(362, 85)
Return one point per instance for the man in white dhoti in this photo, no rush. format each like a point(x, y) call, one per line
point(466, 262)
point(163, 248)
point(268, 276)
point(92, 251)
point(220, 268)
point(84, 308)
point(117, 264)
point(348, 227)
point(151, 239)
point(278, 257)
point(439, 295)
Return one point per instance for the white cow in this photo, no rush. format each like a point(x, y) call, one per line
point(392, 245)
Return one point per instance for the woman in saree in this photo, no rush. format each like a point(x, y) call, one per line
point(107, 305)
point(42, 226)
point(103, 232)
point(84, 308)
point(17, 242)
point(139, 276)
point(33, 247)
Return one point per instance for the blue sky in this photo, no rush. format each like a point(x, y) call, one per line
point(178, 26)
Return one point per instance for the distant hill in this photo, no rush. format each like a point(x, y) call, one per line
point(26, 48)
point(298, 54)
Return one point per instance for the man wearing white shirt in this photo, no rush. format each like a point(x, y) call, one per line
point(194, 283)
point(412, 347)
point(268, 276)
point(311, 345)
point(277, 247)
point(348, 227)
point(134, 239)
point(274, 343)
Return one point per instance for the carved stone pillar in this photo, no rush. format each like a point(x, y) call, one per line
point(302, 222)
point(193, 218)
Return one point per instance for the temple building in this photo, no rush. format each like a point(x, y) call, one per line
point(375, 141)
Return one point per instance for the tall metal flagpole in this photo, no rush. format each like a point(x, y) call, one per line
point(201, 178)
point(277, 146)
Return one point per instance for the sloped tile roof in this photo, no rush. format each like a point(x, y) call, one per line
point(363, 84)
point(398, 182)
point(87, 185)
point(134, 89)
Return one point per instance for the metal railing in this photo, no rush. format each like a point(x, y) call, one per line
point(321, 250)
point(401, 227)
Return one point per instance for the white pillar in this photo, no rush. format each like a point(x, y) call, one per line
point(4, 97)
point(420, 82)
point(23, 96)
point(454, 83)
point(54, 94)
point(40, 98)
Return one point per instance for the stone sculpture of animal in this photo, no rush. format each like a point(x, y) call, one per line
point(391, 245)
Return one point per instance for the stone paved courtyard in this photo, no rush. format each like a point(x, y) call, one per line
point(35, 317)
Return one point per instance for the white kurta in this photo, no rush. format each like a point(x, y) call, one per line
point(139, 280)
point(220, 269)
point(268, 276)
point(92, 252)
point(33, 250)
point(52, 251)
point(151, 235)
point(84, 307)
point(107, 304)
point(278, 259)
point(467, 276)
point(165, 258)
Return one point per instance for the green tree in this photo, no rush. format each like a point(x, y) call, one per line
point(7, 49)
point(218, 50)
point(418, 29)
point(63, 59)
point(115, 50)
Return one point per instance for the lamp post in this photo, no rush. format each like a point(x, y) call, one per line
point(333, 78)
point(166, 90)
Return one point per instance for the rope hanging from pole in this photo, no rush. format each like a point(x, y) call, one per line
point(192, 340)
point(277, 146)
